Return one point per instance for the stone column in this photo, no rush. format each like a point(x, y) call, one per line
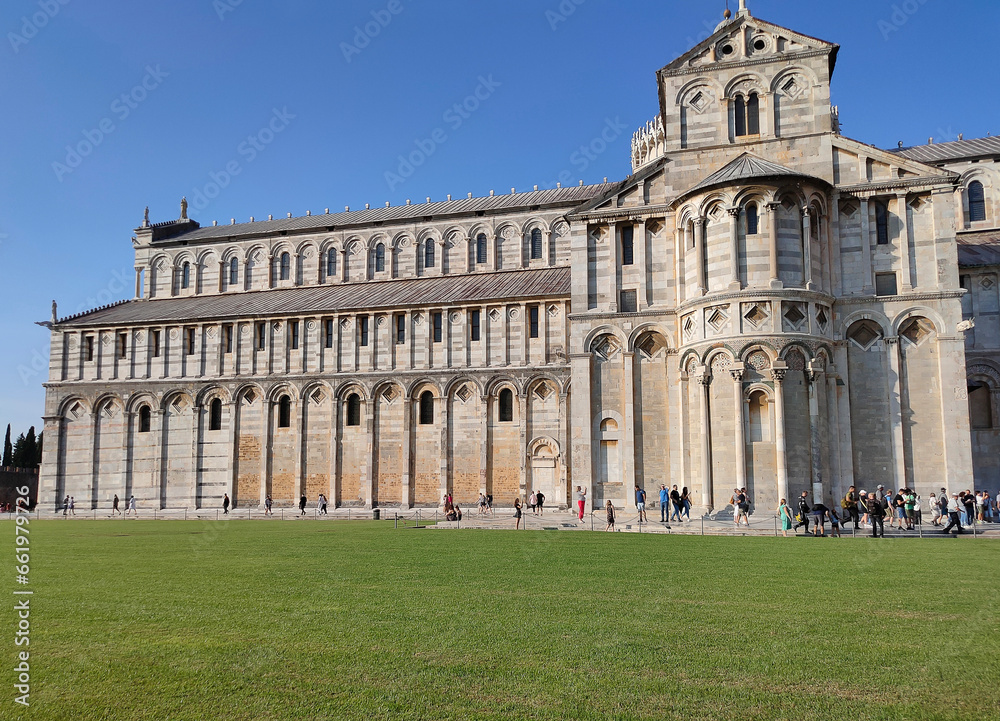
point(772, 229)
point(197, 418)
point(833, 435)
point(547, 248)
point(807, 269)
point(563, 452)
point(894, 362)
point(157, 426)
point(845, 438)
point(639, 252)
point(614, 268)
point(814, 379)
point(685, 423)
point(525, 330)
point(904, 243)
point(484, 442)
point(369, 478)
point(92, 459)
point(407, 480)
point(699, 249)
point(543, 332)
point(470, 254)
point(232, 460)
point(138, 282)
point(836, 264)
point(736, 370)
point(707, 494)
point(734, 250)
point(265, 449)
point(446, 483)
point(298, 427)
point(866, 248)
point(491, 252)
point(522, 422)
point(628, 432)
point(679, 249)
point(334, 473)
point(780, 460)
point(582, 427)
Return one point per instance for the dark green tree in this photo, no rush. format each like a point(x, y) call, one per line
point(17, 455)
point(30, 450)
point(7, 449)
point(38, 451)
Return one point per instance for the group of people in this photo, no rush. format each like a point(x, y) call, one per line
point(677, 503)
point(115, 510)
point(451, 510)
point(485, 504)
point(536, 502)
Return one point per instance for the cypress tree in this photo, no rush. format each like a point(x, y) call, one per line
point(7, 449)
point(38, 449)
point(17, 455)
point(30, 450)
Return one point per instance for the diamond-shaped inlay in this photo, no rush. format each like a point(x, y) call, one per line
point(917, 330)
point(848, 209)
point(249, 398)
point(543, 391)
point(553, 311)
point(76, 411)
point(986, 283)
point(756, 315)
point(792, 88)
point(651, 344)
point(917, 203)
point(318, 396)
point(794, 315)
point(699, 102)
point(495, 315)
point(715, 213)
point(606, 347)
point(718, 319)
point(689, 326)
point(389, 394)
point(821, 317)
point(464, 394)
point(865, 333)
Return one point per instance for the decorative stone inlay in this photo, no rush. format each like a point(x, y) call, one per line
point(795, 361)
point(381, 321)
point(495, 315)
point(651, 344)
point(456, 317)
point(140, 336)
point(311, 325)
point(717, 319)
point(174, 334)
point(277, 326)
point(848, 208)
point(917, 330)
point(689, 327)
point(389, 394)
point(553, 311)
point(986, 283)
point(756, 315)
point(345, 323)
point(721, 364)
point(759, 361)
point(794, 314)
point(865, 333)
point(249, 398)
point(318, 396)
point(464, 393)
point(822, 318)
point(211, 331)
point(606, 347)
point(513, 314)
point(542, 391)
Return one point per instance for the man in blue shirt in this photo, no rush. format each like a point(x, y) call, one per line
point(640, 503)
point(664, 503)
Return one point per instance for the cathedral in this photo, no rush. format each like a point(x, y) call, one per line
point(763, 303)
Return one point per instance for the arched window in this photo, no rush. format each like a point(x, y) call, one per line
point(753, 115)
point(234, 272)
point(506, 411)
point(753, 219)
point(186, 275)
point(977, 202)
point(746, 114)
point(759, 423)
point(429, 253)
point(536, 244)
point(331, 262)
point(481, 249)
point(284, 412)
point(980, 407)
point(286, 266)
point(628, 245)
point(740, 116)
point(426, 408)
point(215, 415)
point(882, 223)
point(249, 279)
point(354, 410)
point(379, 258)
point(144, 415)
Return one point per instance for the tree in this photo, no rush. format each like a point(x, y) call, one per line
point(30, 450)
point(38, 453)
point(7, 449)
point(17, 456)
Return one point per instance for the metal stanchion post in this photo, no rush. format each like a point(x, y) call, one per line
point(703, 525)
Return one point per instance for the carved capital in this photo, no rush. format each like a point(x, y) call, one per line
point(733, 212)
point(778, 374)
point(737, 375)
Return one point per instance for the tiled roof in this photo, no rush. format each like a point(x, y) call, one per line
point(956, 150)
point(745, 167)
point(571, 196)
point(979, 249)
point(326, 299)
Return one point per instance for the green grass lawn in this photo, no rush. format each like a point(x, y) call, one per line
point(353, 620)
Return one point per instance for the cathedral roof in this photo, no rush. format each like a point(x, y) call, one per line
point(745, 168)
point(979, 250)
point(956, 150)
point(314, 300)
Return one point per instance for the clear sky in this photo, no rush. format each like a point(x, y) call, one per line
point(167, 95)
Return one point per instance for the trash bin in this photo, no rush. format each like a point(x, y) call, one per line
point(376, 514)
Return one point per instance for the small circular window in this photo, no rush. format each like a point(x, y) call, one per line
point(759, 44)
point(727, 49)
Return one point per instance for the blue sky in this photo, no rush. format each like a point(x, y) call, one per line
point(170, 95)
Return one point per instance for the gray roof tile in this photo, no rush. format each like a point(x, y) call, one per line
point(327, 299)
point(979, 249)
point(956, 150)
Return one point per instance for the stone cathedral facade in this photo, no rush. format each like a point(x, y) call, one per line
point(763, 302)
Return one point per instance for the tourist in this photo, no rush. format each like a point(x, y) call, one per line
point(785, 514)
point(969, 500)
point(819, 512)
point(131, 506)
point(850, 505)
point(114, 506)
point(581, 500)
point(72, 506)
point(876, 516)
point(910, 507)
point(323, 504)
point(741, 505)
point(988, 503)
point(686, 503)
point(454, 514)
point(489, 502)
point(935, 510)
point(745, 507)
point(225, 504)
point(482, 505)
point(979, 507)
point(898, 509)
point(611, 517)
point(66, 505)
point(640, 503)
point(803, 516)
point(863, 507)
point(954, 511)
point(834, 522)
point(943, 501)
point(267, 505)
point(517, 513)
point(302, 505)
point(664, 503)
point(676, 504)
point(533, 501)
point(540, 502)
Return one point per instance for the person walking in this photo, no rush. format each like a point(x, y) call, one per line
point(834, 522)
point(803, 515)
point(540, 502)
point(664, 503)
point(876, 516)
point(910, 506)
point(851, 506)
point(611, 517)
point(640, 503)
point(517, 513)
point(935, 510)
point(954, 510)
point(533, 502)
point(268, 502)
point(114, 506)
point(686, 503)
point(302, 505)
point(72, 506)
point(131, 506)
point(785, 514)
point(225, 504)
point(581, 500)
point(66, 505)
point(675, 502)
point(323, 504)
point(819, 512)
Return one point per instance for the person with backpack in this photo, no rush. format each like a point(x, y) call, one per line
point(876, 516)
point(803, 516)
point(850, 505)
